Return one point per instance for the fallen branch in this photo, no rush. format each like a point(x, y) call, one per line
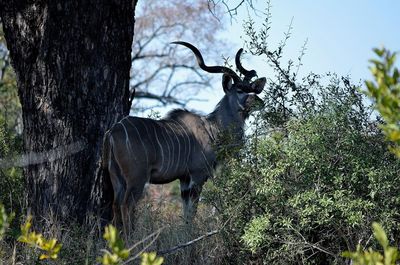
point(177, 247)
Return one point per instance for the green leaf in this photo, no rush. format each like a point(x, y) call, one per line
point(151, 259)
point(116, 245)
point(396, 75)
point(379, 52)
point(380, 235)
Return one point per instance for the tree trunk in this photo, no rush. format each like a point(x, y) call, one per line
point(72, 59)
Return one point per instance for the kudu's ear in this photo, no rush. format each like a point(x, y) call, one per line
point(258, 85)
point(226, 83)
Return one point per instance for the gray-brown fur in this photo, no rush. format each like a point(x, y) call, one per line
point(181, 146)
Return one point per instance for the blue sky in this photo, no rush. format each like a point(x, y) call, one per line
point(340, 36)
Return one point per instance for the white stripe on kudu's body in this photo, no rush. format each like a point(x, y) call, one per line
point(181, 146)
point(128, 143)
point(177, 144)
point(171, 149)
point(161, 153)
point(140, 138)
point(187, 144)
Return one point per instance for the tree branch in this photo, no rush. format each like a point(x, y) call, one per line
point(159, 69)
point(183, 245)
point(161, 98)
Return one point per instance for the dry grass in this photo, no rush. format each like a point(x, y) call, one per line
point(163, 210)
point(160, 210)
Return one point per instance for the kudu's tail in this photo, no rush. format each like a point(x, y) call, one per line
point(105, 152)
point(107, 191)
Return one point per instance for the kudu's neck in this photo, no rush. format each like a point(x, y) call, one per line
point(225, 120)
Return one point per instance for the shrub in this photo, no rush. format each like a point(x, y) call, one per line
point(372, 257)
point(49, 247)
point(307, 190)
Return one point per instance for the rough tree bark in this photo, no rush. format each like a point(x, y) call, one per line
point(72, 60)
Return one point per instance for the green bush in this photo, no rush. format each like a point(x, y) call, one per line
point(316, 171)
point(372, 257)
point(307, 190)
point(384, 91)
point(49, 248)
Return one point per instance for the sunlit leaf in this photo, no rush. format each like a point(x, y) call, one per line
point(380, 234)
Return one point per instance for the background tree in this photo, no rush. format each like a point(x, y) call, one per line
point(161, 74)
point(232, 7)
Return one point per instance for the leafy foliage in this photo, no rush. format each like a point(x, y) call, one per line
point(118, 252)
point(5, 220)
point(308, 190)
point(50, 248)
point(371, 257)
point(313, 176)
point(151, 259)
point(385, 91)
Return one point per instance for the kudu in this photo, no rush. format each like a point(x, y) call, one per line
point(181, 146)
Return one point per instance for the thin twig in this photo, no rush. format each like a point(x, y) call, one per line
point(183, 245)
point(155, 234)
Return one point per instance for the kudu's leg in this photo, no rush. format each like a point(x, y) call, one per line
point(132, 195)
point(118, 184)
point(126, 208)
point(126, 221)
point(190, 194)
